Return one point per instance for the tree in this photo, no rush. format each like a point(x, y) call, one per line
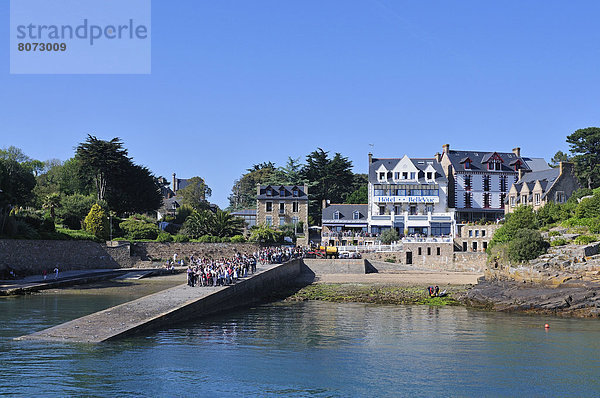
point(96, 222)
point(522, 218)
point(264, 234)
point(243, 192)
point(585, 146)
point(73, 209)
point(388, 236)
point(558, 157)
point(102, 160)
point(195, 194)
point(135, 190)
point(197, 224)
point(223, 224)
point(139, 227)
point(526, 244)
point(290, 174)
point(51, 202)
point(360, 196)
point(329, 179)
point(16, 183)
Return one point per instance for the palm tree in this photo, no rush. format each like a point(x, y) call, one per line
point(51, 202)
point(223, 224)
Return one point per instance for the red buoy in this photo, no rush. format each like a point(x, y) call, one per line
point(547, 326)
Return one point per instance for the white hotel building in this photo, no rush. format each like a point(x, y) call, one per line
point(410, 195)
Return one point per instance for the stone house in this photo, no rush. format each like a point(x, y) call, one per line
point(278, 205)
point(474, 237)
point(540, 187)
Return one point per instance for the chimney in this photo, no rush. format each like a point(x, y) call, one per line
point(520, 173)
point(370, 158)
point(324, 204)
point(306, 190)
point(446, 148)
point(438, 157)
point(257, 188)
point(174, 183)
point(517, 151)
point(565, 167)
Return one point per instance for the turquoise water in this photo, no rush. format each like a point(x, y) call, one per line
point(310, 349)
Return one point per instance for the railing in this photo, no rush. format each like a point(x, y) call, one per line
point(394, 247)
point(428, 239)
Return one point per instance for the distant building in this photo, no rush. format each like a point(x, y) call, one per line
point(479, 181)
point(409, 195)
point(249, 217)
point(537, 188)
point(345, 224)
point(278, 205)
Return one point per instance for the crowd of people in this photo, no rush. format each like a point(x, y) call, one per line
point(226, 271)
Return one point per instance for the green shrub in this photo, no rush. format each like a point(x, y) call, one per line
point(390, 260)
point(558, 242)
point(164, 237)
point(73, 209)
point(585, 239)
point(238, 239)
point(588, 207)
point(526, 244)
point(225, 239)
point(553, 233)
point(139, 228)
point(96, 222)
point(522, 218)
point(204, 239)
point(181, 238)
point(388, 236)
point(215, 239)
point(76, 234)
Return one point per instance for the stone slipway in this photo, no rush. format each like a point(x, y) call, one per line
point(173, 305)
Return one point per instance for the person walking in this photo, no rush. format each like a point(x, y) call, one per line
point(56, 273)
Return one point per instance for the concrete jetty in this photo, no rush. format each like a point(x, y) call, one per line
point(169, 306)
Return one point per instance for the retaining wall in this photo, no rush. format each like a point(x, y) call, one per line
point(334, 266)
point(158, 251)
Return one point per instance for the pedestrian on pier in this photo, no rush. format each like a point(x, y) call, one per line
point(56, 273)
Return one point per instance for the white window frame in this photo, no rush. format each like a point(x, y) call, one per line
point(356, 215)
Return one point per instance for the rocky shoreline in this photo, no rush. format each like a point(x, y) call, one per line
point(573, 298)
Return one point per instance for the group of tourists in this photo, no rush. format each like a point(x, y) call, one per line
point(226, 271)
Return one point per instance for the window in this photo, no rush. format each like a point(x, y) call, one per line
point(487, 200)
point(295, 207)
point(355, 215)
point(397, 209)
point(405, 175)
point(524, 199)
point(381, 209)
point(474, 246)
point(378, 191)
point(513, 200)
point(486, 182)
point(281, 208)
point(336, 215)
point(503, 185)
point(470, 233)
point(397, 175)
point(269, 220)
point(439, 251)
point(429, 251)
point(468, 182)
point(295, 193)
point(477, 233)
point(468, 200)
point(560, 197)
point(483, 233)
point(281, 221)
point(429, 175)
point(467, 165)
point(382, 175)
point(295, 220)
point(389, 175)
point(282, 192)
point(429, 208)
point(419, 251)
point(269, 206)
point(412, 175)
point(484, 245)
point(413, 210)
point(269, 192)
point(537, 198)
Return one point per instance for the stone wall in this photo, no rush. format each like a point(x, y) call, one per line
point(334, 266)
point(27, 257)
point(475, 238)
point(158, 251)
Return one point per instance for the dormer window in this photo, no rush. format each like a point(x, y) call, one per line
point(397, 175)
point(467, 164)
point(405, 175)
point(382, 175)
point(269, 192)
point(336, 215)
point(389, 175)
point(412, 175)
point(295, 193)
point(282, 192)
point(355, 215)
point(429, 175)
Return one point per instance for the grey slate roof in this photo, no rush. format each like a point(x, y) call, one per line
point(545, 177)
point(536, 164)
point(420, 163)
point(288, 192)
point(479, 159)
point(346, 213)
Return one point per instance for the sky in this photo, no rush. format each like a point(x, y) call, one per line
point(235, 83)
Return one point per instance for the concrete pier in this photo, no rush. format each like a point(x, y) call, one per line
point(173, 305)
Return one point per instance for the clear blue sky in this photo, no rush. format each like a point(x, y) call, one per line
point(235, 83)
